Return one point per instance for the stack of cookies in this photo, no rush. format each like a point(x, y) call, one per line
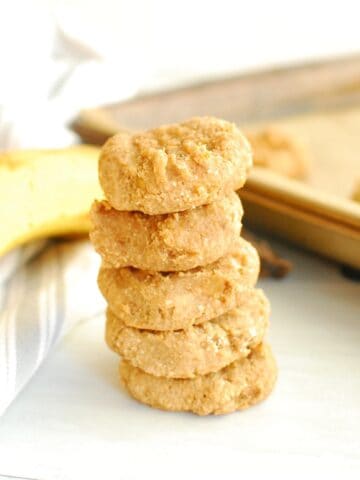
point(179, 280)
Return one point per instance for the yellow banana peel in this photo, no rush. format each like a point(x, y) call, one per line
point(46, 193)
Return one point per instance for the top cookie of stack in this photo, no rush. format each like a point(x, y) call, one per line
point(170, 195)
point(174, 167)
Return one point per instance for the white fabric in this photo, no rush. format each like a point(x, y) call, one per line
point(42, 297)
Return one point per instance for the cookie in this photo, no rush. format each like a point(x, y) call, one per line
point(280, 151)
point(241, 384)
point(174, 167)
point(356, 192)
point(198, 350)
point(171, 242)
point(177, 300)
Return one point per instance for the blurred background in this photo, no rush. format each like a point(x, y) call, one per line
point(59, 56)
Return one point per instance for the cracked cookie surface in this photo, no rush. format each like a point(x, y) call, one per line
point(170, 242)
point(197, 350)
point(174, 167)
point(241, 384)
point(176, 300)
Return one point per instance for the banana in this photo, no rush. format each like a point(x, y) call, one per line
point(46, 193)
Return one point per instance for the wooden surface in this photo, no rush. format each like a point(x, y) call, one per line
point(319, 103)
point(254, 97)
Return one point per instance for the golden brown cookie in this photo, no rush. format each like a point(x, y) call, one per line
point(356, 192)
point(198, 350)
point(171, 242)
point(280, 151)
point(174, 167)
point(177, 300)
point(241, 384)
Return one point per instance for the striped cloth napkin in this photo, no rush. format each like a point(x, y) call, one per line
point(45, 289)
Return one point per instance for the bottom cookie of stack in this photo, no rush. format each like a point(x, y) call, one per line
point(239, 385)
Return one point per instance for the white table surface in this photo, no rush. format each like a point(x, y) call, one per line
point(73, 421)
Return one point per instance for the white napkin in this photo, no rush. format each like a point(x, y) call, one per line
point(45, 289)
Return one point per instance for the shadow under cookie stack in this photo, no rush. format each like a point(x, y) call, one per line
point(179, 280)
